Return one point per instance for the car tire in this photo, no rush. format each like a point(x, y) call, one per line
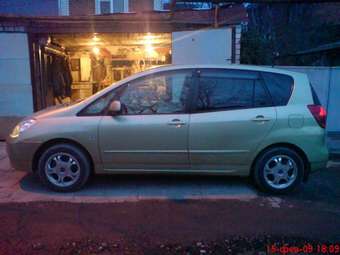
point(278, 170)
point(64, 168)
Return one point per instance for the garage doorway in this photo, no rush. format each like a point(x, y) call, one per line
point(71, 67)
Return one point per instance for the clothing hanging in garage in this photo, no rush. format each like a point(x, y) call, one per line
point(61, 77)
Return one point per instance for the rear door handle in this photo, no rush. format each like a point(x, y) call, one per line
point(176, 122)
point(260, 118)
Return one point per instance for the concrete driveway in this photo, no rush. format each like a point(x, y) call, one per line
point(18, 186)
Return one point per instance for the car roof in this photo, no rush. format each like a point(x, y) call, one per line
point(227, 66)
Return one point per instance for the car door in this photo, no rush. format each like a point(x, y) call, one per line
point(151, 132)
point(232, 113)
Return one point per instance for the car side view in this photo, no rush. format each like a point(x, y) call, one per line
point(239, 120)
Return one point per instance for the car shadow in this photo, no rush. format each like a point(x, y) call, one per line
point(322, 186)
point(153, 186)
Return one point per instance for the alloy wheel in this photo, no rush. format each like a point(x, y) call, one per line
point(62, 169)
point(280, 171)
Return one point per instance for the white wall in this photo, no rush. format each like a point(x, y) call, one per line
point(334, 111)
point(210, 46)
point(15, 77)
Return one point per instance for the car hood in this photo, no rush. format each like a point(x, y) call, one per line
point(56, 111)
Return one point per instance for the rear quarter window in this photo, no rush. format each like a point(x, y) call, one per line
point(315, 96)
point(280, 87)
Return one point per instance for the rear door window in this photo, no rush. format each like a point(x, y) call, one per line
point(220, 89)
point(261, 95)
point(280, 86)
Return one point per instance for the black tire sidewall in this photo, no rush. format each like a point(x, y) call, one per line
point(263, 159)
point(85, 167)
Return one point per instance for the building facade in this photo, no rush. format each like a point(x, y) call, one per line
point(89, 7)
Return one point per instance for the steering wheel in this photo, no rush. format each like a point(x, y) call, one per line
point(150, 108)
point(124, 109)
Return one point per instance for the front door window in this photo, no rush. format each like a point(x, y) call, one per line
point(164, 93)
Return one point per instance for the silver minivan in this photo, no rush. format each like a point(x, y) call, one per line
point(199, 119)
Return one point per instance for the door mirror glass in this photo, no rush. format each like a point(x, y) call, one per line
point(115, 107)
point(99, 106)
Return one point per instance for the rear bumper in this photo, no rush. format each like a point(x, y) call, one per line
point(21, 154)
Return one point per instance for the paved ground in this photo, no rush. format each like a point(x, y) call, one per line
point(164, 215)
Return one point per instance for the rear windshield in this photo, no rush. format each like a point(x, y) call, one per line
point(280, 87)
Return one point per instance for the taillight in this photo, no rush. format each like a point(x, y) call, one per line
point(319, 113)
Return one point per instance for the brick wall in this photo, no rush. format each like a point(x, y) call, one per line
point(82, 7)
point(138, 5)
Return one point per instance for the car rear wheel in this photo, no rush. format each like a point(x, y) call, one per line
point(64, 167)
point(279, 170)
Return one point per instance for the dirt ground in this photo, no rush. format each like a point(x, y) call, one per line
point(160, 227)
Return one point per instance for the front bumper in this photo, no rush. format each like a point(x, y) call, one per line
point(21, 153)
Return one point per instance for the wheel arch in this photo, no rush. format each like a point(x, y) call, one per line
point(56, 141)
point(291, 146)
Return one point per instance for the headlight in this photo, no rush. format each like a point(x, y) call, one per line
point(21, 127)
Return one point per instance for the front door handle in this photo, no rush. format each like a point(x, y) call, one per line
point(176, 122)
point(260, 118)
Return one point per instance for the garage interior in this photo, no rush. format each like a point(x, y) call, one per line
point(75, 66)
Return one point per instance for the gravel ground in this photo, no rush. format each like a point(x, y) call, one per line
point(230, 246)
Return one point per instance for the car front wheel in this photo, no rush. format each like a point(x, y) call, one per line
point(279, 170)
point(64, 167)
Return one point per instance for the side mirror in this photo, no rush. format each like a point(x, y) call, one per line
point(115, 107)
